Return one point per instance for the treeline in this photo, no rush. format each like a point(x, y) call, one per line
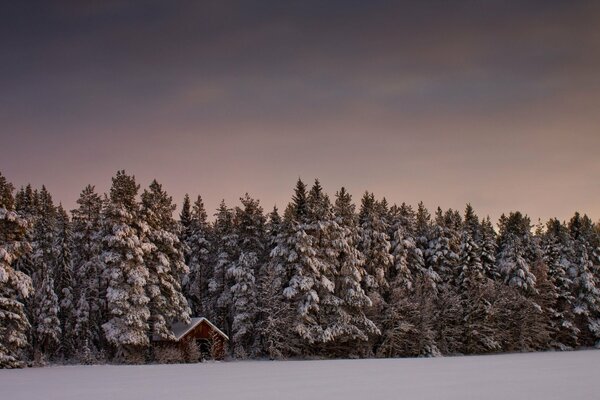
point(321, 280)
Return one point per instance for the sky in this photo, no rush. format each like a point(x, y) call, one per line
point(496, 103)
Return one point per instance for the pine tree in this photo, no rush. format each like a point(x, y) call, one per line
point(185, 219)
point(513, 266)
point(46, 322)
point(423, 234)
point(45, 306)
point(374, 244)
point(488, 249)
point(251, 235)
point(441, 256)
point(123, 252)
point(311, 285)
point(227, 253)
point(299, 201)
point(90, 286)
point(474, 289)
point(402, 247)
point(15, 286)
point(516, 252)
point(587, 295)
point(471, 224)
point(165, 263)
point(198, 249)
point(26, 206)
point(558, 256)
point(308, 285)
point(350, 323)
point(273, 228)
point(470, 267)
point(63, 272)
point(275, 314)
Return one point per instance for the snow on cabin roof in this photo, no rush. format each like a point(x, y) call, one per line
point(180, 329)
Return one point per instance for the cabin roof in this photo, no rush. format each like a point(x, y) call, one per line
point(180, 330)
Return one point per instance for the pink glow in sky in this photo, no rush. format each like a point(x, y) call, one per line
point(494, 103)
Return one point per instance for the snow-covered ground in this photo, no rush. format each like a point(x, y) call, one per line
point(570, 375)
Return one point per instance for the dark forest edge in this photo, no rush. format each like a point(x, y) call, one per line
point(322, 280)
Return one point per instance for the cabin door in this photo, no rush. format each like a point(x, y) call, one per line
point(205, 347)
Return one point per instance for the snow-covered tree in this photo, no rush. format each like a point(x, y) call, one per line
point(165, 263)
point(587, 295)
point(64, 282)
point(123, 252)
point(470, 268)
point(402, 247)
point(441, 255)
point(374, 244)
point(45, 305)
point(474, 289)
point(251, 236)
point(15, 286)
point(196, 237)
point(559, 257)
point(273, 228)
point(275, 314)
point(350, 323)
point(90, 288)
point(311, 273)
point(227, 253)
point(488, 246)
point(514, 267)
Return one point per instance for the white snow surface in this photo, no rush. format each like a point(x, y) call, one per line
point(547, 376)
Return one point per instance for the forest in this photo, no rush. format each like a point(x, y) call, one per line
point(324, 278)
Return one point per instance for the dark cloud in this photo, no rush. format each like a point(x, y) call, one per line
point(410, 99)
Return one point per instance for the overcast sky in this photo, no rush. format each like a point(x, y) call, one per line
point(496, 103)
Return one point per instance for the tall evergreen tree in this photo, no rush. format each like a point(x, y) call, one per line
point(587, 295)
point(198, 249)
point(227, 253)
point(15, 286)
point(488, 247)
point(559, 257)
point(90, 285)
point(45, 306)
point(441, 254)
point(351, 324)
point(64, 282)
point(251, 236)
point(375, 245)
point(514, 267)
point(165, 263)
point(123, 251)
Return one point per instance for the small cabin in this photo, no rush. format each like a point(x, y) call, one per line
point(200, 337)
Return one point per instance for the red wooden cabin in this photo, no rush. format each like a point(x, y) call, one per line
point(209, 339)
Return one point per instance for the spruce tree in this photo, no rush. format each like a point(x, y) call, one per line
point(488, 247)
point(15, 286)
point(165, 263)
point(514, 267)
point(251, 236)
point(474, 289)
point(198, 251)
point(123, 251)
point(90, 285)
point(227, 253)
point(350, 322)
point(441, 255)
point(63, 271)
point(45, 305)
point(559, 257)
point(375, 245)
point(587, 295)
